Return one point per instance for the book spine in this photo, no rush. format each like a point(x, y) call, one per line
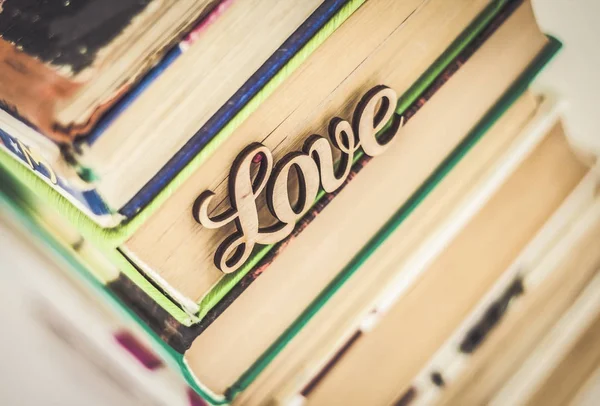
point(83, 196)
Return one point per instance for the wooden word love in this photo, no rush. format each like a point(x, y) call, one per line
point(314, 166)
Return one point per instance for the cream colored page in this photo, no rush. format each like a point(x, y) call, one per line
point(191, 90)
point(578, 365)
point(130, 55)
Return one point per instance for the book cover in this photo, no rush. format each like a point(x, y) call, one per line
point(53, 52)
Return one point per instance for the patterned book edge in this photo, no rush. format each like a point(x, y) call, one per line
point(85, 198)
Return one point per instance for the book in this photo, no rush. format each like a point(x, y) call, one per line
point(65, 62)
point(221, 62)
point(81, 195)
point(61, 312)
point(451, 359)
point(49, 160)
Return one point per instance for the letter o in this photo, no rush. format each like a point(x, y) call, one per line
point(278, 198)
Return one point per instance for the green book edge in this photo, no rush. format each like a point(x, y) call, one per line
point(13, 188)
point(515, 91)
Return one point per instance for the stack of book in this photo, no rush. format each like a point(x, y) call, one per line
point(316, 202)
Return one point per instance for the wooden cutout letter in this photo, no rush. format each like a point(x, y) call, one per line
point(367, 121)
point(243, 191)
